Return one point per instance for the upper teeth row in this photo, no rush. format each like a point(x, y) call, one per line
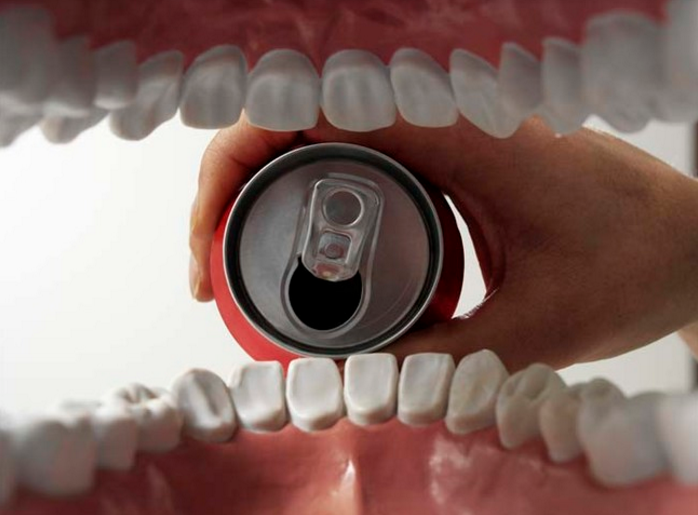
point(625, 440)
point(628, 71)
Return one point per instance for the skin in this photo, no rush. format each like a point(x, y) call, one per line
point(588, 245)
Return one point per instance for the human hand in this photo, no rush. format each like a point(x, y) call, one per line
point(587, 244)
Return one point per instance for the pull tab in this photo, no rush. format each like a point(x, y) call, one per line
point(341, 222)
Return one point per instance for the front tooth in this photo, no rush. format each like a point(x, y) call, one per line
point(624, 448)
point(213, 90)
point(116, 70)
point(519, 81)
point(12, 125)
point(677, 423)
point(314, 393)
point(621, 68)
point(8, 472)
point(519, 401)
point(423, 391)
point(64, 129)
point(564, 107)
point(422, 89)
point(204, 401)
point(370, 388)
point(76, 83)
point(258, 394)
point(558, 424)
point(597, 398)
point(356, 92)
point(476, 90)
point(474, 389)
point(157, 100)
point(283, 92)
point(56, 456)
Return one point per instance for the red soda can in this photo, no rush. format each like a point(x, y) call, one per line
point(332, 250)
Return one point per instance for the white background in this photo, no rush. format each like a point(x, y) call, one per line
point(93, 271)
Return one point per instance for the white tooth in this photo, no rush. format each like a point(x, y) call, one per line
point(519, 81)
point(13, 125)
point(621, 68)
point(677, 422)
point(476, 90)
point(314, 393)
point(370, 388)
point(203, 399)
point(64, 129)
point(56, 456)
point(558, 424)
point(28, 57)
point(356, 92)
point(213, 90)
point(624, 448)
point(8, 472)
point(116, 70)
point(258, 395)
point(283, 92)
point(116, 432)
point(564, 107)
point(597, 398)
point(157, 100)
point(422, 89)
point(133, 393)
point(423, 391)
point(520, 399)
point(76, 83)
point(474, 390)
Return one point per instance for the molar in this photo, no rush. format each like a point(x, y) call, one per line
point(425, 379)
point(370, 388)
point(597, 398)
point(213, 91)
point(116, 70)
point(257, 390)
point(283, 92)
point(422, 89)
point(76, 84)
point(519, 401)
point(474, 389)
point(204, 402)
point(314, 393)
point(356, 92)
point(677, 423)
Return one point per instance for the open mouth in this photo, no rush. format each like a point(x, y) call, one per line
point(432, 437)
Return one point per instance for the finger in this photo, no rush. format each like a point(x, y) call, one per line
point(233, 155)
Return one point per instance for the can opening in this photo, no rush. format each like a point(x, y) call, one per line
point(323, 305)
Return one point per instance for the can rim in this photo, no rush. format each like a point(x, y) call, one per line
point(305, 155)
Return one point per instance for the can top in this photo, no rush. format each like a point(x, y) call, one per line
point(325, 224)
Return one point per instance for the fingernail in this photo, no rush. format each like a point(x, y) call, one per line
point(194, 217)
point(194, 277)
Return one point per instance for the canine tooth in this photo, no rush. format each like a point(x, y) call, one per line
point(624, 448)
point(56, 456)
point(558, 424)
point(370, 388)
point(422, 89)
point(356, 92)
point(314, 393)
point(258, 395)
point(157, 100)
point(12, 125)
point(520, 399)
point(677, 423)
point(204, 401)
point(283, 92)
point(28, 56)
point(8, 472)
point(213, 90)
point(621, 68)
point(423, 390)
point(116, 70)
point(76, 84)
point(476, 90)
point(64, 129)
point(474, 389)
point(597, 398)
point(564, 107)
point(519, 81)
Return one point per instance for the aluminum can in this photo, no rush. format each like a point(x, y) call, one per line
point(331, 250)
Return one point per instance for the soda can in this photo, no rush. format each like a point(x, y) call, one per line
point(331, 250)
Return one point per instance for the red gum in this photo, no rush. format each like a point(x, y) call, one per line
point(320, 28)
point(396, 469)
